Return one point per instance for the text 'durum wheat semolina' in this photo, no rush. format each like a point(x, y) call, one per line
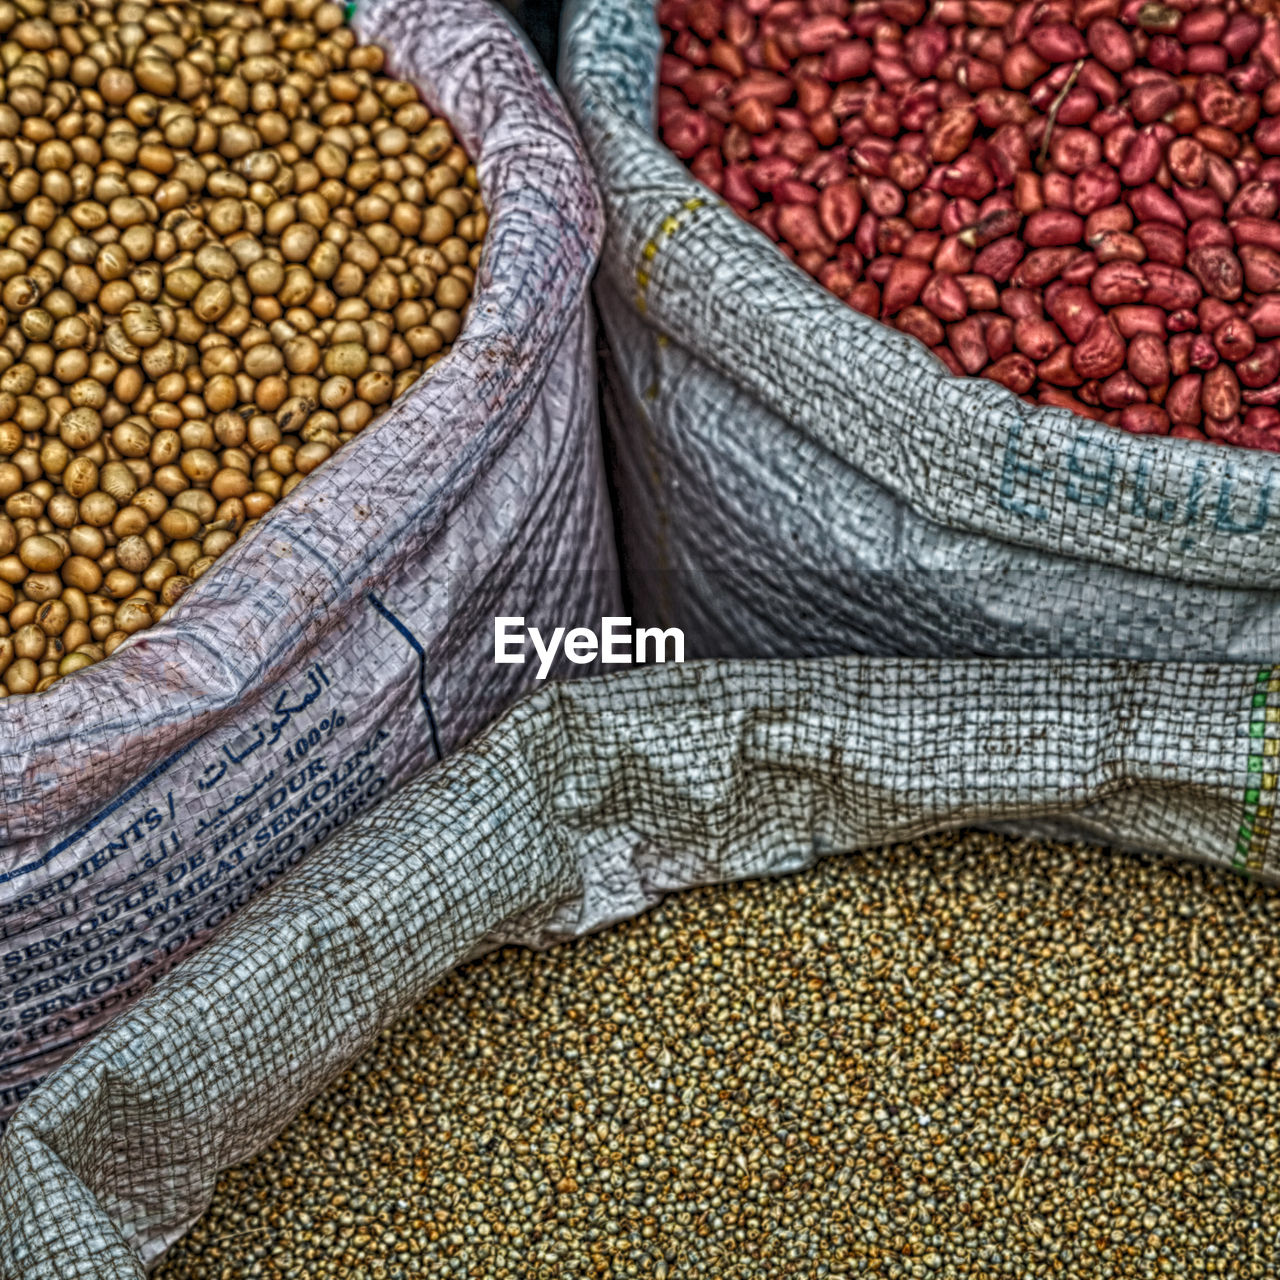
point(228, 241)
point(968, 1057)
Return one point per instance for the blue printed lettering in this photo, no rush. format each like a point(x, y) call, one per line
point(102, 949)
point(1226, 522)
point(1014, 468)
point(1092, 465)
point(1168, 508)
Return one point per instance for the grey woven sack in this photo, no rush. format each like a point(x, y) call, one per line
point(795, 478)
point(582, 806)
point(348, 641)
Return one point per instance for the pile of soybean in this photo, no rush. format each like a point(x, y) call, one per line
point(228, 240)
point(965, 1057)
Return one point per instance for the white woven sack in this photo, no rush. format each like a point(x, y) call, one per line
point(348, 640)
point(585, 804)
point(795, 478)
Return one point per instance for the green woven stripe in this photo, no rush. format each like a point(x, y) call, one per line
point(1254, 832)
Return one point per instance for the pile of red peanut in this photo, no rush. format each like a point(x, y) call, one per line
point(1076, 198)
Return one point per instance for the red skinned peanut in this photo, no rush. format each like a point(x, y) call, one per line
point(1095, 187)
point(950, 132)
point(865, 297)
point(839, 207)
point(1150, 100)
point(1264, 316)
point(1141, 160)
point(906, 279)
point(1188, 162)
point(1145, 420)
point(1220, 397)
point(1261, 268)
point(1111, 44)
point(1170, 288)
point(1259, 231)
point(1058, 42)
point(1205, 233)
point(1117, 246)
point(999, 259)
point(1151, 204)
point(1020, 304)
point(968, 344)
point(944, 353)
point(1268, 395)
point(839, 278)
point(1037, 338)
point(980, 291)
point(1183, 401)
point(1180, 353)
point(945, 298)
point(1260, 368)
point(1115, 283)
point(798, 225)
point(1148, 360)
point(1059, 370)
point(1162, 243)
point(997, 332)
point(1132, 320)
point(1075, 312)
point(1014, 371)
point(1051, 228)
point(1234, 339)
point(1218, 270)
point(1102, 351)
point(920, 324)
point(1121, 390)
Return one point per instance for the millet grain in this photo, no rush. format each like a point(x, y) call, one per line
point(968, 1057)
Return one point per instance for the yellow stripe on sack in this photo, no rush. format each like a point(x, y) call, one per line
point(667, 228)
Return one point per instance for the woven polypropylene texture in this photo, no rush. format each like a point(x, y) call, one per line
point(348, 640)
point(582, 806)
point(797, 478)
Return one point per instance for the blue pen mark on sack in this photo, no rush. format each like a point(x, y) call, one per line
point(422, 668)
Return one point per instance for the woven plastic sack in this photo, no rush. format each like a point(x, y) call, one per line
point(586, 803)
point(348, 640)
point(795, 478)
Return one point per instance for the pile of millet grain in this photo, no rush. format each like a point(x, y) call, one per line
point(970, 1056)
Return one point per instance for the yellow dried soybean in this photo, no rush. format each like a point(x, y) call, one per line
point(228, 241)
